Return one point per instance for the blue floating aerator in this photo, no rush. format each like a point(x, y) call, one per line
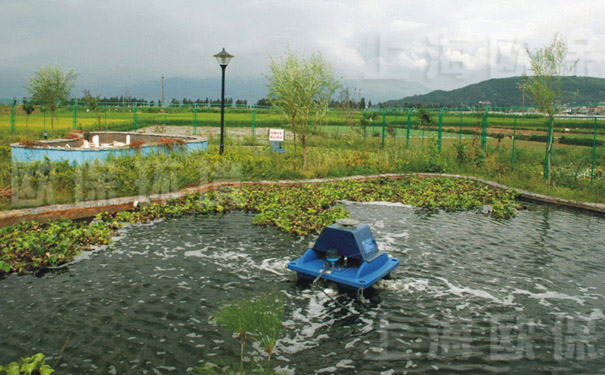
point(346, 253)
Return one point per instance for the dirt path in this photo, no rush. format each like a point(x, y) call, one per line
point(261, 134)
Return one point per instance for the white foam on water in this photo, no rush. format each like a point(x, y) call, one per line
point(274, 265)
point(306, 321)
point(403, 285)
point(461, 291)
point(595, 314)
point(352, 343)
point(330, 369)
point(345, 363)
point(549, 295)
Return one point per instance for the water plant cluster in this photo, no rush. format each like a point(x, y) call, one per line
point(33, 365)
point(259, 320)
point(31, 246)
point(305, 208)
point(293, 208)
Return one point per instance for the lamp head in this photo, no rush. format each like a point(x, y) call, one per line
point(223, 58)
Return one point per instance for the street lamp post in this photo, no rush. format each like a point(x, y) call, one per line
point(223, 59)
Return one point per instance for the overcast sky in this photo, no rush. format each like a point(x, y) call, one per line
point(442, 44)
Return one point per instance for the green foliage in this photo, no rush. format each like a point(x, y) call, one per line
point(538, 138)
point(424, 116)
point(260, 319)
point(301, 89)
point(580, 141)
point(49, 87)
point(544, 86)
point(296, 208)
point(92, 102)
point(31, 246)
point(305, 208)
point(33, 365)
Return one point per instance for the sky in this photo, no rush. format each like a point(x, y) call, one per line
point(117, 44)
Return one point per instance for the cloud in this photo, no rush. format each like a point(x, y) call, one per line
point(402, 25)
point(443, 44)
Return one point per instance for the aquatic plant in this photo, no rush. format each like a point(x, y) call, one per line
point(260, 319)
point(31, 246)
point(292, 208)
point(33, 365)
point(304, 208)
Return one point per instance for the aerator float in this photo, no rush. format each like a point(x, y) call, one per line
point(347, 254)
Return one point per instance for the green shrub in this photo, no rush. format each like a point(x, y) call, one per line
point(580, 141)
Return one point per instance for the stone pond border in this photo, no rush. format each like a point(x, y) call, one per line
point(89, 209)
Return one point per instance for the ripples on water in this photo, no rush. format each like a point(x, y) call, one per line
point(472, 294)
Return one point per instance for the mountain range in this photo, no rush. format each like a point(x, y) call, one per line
point(507, 92)
point(251, 89)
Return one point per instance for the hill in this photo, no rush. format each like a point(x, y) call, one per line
point(506, 92)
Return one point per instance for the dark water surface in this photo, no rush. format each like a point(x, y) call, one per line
point(472, 295)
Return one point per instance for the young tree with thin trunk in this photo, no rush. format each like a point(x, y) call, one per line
point(29, 108)
point(301, 89)
point(49, 87)
point(544, 86)
point(92, 102)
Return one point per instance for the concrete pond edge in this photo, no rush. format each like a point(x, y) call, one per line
point(83, 210)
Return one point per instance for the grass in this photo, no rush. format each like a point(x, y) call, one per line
point(121, 118)
point(334, 151)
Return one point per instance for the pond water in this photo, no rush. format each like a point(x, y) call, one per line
point(472, 295)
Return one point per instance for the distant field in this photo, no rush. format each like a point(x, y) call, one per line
point(335, 121)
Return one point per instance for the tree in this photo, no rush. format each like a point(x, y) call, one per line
point(49, 87)
point(92, 102)
point(301, 88)
point(424, 116)
point(28, 107)
point(544, 86)
point(348, 107)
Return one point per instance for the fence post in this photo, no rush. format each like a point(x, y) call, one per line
point(440, 133)
point(13, 105)
point(395, 129)
point(365, 111)
point(407, 135)
point(254, 120)
point(44, 114)
point(384, 124)
point(76, 114)
point(136, 117)
point(594, 146)
point(484, 131)
point(460, 134)
point(195, 119)
point(512, 154)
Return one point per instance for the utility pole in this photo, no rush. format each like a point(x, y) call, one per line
point(162, 90)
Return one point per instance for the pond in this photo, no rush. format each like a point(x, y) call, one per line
point(472, 294)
